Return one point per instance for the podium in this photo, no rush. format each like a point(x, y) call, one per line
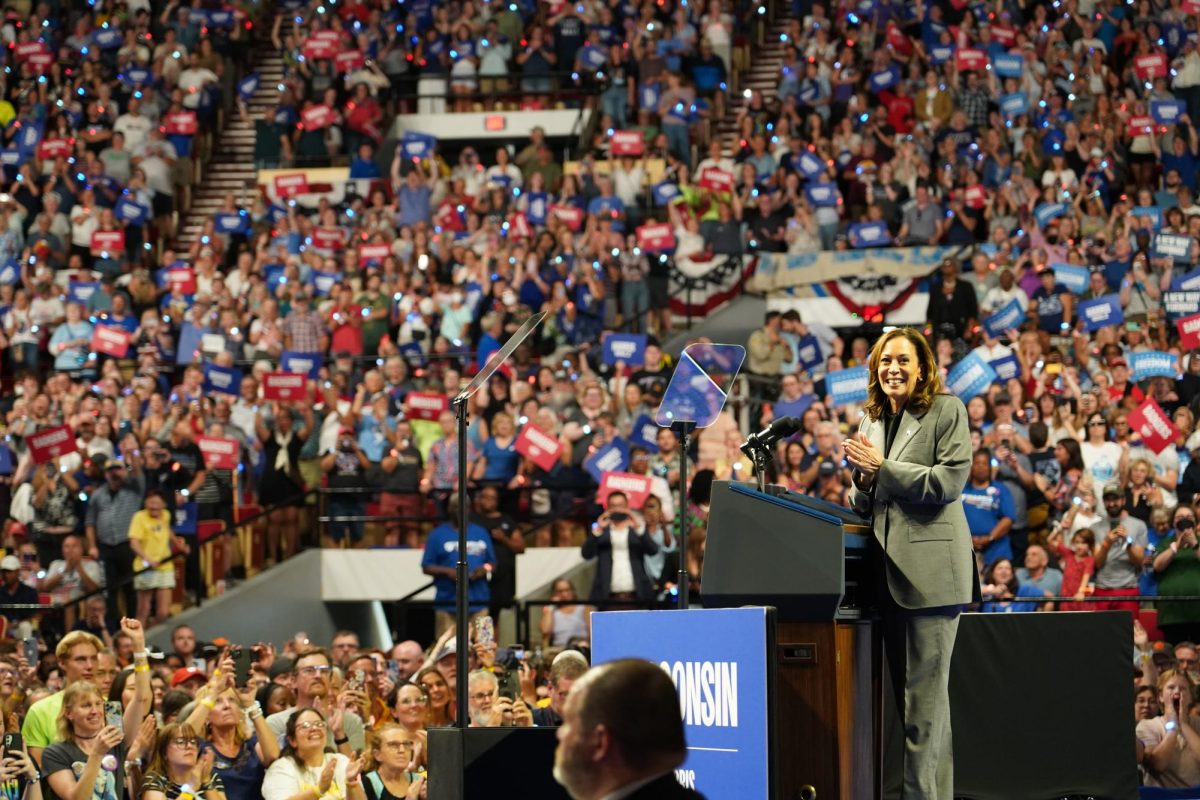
point(808, 559)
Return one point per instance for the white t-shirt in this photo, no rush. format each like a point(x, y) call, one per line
point(70, 587)
point(135, 129)
point(285, 779)
point(1101, 461)
point(622, 571)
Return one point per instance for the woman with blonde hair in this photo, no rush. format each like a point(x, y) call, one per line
point(177, 770)
point(392, 759)
point(1168, 746)
point(410, 706)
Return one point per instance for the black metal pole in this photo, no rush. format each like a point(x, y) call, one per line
point(682, 430)
point(461, 607)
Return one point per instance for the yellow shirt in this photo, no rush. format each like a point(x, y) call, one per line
point(154, 534)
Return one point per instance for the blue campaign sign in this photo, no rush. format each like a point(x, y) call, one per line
point(322, 282)
point(1181, 304)
point(1152, 364)
point(613, 457)
point(1101, 312)
point(810, 165)
point(1008, 65)
point(225, 222)
point(1014, 104)
point(132, 77)
point(717, 659)
point(413, 354)
point(10, 272)
point(108, 39)
point(1072, 276)
point(663, 192)
point(885, 78)
point(1047, 212)
point(648, 96)
point(644, 433)
point(847, 386)
point(1154, 213)
point(940, 54)
point(970, 377)
point(593, 56)
point(627, 347)
point(183, 521)
point(1006, 367)
point(131, 211)
point(12, 157)
point(1009, 316)
point(536, 205)
point(869, 234)
point(1170, 245)
point(301, 363)
point(418, 145)
point(1188, 282)
point(809, 352)
point(248, 85)
point(81, 291)
point(222, 380)
point(6, 460)
point(822, 194)
point(1167, 112)
point(29, 136)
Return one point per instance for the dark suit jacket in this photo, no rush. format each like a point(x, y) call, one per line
point(665, 788)
point(600, 546)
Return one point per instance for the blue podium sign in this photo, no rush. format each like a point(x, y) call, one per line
point(717, 659)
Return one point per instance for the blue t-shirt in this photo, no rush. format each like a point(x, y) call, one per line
point(985, 508)
point(1009, 607)
point(501, 461)
point(1050, 307)
point(441, 550)
point(241, 775)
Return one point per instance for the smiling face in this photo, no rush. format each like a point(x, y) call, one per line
point(86, 714)
point(308, 732)
point(899, 371)
point(412, 704)
point(437, 689)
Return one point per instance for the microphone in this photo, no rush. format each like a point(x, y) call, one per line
point(779, 429)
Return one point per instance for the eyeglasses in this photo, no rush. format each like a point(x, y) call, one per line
point(188, 741)
point(479, 697)
point(396, 746)
point(314, 670)
point(312, 724)
point(1097, 424)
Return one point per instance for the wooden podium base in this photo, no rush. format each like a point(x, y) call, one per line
point(829, 719)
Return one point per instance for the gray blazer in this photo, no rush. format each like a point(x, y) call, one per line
point(916, 508)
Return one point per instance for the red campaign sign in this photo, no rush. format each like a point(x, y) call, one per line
point(1004, 35)
point(317, 117)
point(655, 237)
point(180, 123)
point(291, 185)
point(975, 196)
point(40, 61)
point(110, 341)
point(635, 487)
point(970, 59)
point(1140, 126)
point(716, 180)
point(426, 405)
point(1190, 6)
point(219, 453)
point(327, 36)
point(518, 226)
point(627, 143)
point(1151, 66)
point(1189, 331)
point(569, 215)
point(538, 446)
point(348, 61)
point(51, 443)
point(896, 37)
point(284, 386)
point(317, 46)
point(56, 148)
point(1153, 425)
point(328, 238)
point(447, 217)
point(108, 242)
point(181, 280)
point(372, 252)
point(26, 50)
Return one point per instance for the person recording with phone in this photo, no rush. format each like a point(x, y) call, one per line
point(619, 541)
point(911, 458)
point(1178, 568)
point(1120, 552)
point(346, 468)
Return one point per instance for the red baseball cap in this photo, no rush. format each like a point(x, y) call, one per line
point(185, 674)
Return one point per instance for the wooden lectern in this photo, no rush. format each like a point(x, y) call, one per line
point(808, 559)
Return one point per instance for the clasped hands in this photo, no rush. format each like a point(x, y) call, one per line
point(863, 454)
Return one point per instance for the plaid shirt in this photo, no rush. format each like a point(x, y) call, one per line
point(305, 330)
point(974, 103)
point(112, 512)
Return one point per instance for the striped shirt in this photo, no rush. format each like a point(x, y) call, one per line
point(112, 512)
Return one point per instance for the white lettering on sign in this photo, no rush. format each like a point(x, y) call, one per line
point(222, 379)
point(624, 349)
point(538, 439)
point(848, 384)
point(226, 446)
point(1099, 313)
point(972, 374)
point(51, 438)
point(609, 461)
point(708, 693)
point(686, 778)
point(621, 483)
point(290, 180)
point(1157, 423)
point(287, 381)
point(1191, 325)
point(425, 401)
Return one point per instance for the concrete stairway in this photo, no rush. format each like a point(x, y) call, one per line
point(763, 76)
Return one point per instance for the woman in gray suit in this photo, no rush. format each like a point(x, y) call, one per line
point(911, 458)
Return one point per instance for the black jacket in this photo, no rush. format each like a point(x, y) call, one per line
point(600, 545)
point(665, 788)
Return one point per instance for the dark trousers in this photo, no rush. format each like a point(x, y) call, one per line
point(117, 561)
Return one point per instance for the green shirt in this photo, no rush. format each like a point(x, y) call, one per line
point(1181, 577)
point(373, 329)
point(41, 722)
